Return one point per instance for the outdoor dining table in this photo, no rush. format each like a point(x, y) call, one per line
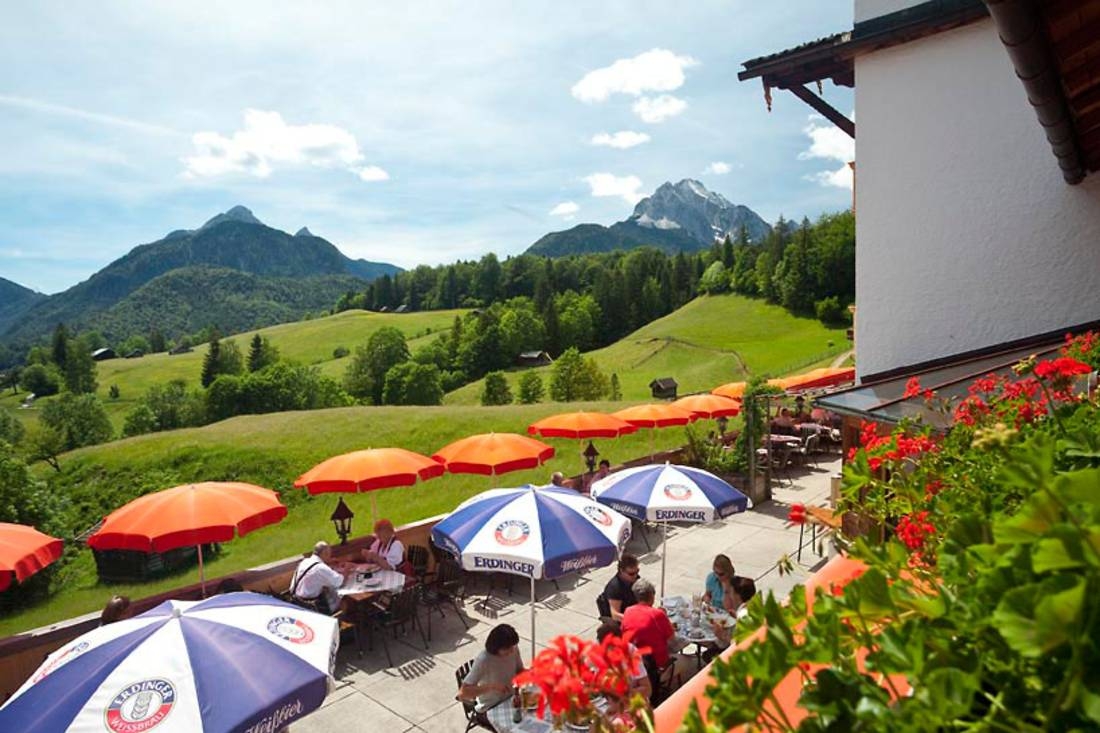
point(358, 591)
point(679, 613)
point(500, 716)
point(776, 439)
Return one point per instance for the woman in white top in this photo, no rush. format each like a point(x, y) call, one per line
point(386, 551)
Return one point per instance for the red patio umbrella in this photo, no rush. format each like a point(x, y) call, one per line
point(24, 551)
point(491, 454)
point(655, 416)
point(369, 470)
point(709, 405)
point(192, 514)
point(581, 425)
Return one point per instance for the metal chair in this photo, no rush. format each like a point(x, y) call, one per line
point(810, 447)
point(401, 610)
point(448, 587)
point(603, 606)
point(474, 718)
point(417, 556)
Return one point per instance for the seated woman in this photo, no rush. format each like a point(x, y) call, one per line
point(719, 584)
point(783, 424)
point(489, 681)
point(386, 551)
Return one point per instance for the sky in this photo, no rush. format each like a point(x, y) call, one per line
point(411, 133)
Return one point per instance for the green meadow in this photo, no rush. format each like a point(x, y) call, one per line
point(306, 342)
point(710, 341)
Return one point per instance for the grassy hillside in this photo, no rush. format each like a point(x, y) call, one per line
point(272, 450)
point(307, 342)
point(710, 341)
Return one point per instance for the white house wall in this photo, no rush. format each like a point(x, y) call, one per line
point(866, 9)
point(968, 236)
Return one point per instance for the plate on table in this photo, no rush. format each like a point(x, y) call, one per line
point(371, 582)
point(696, 634)
point(670, 603)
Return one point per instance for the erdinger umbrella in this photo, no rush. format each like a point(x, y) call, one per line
point(192, 514)
point(235, 662)
point(533, 532)
point(369, 470)
point(24, 551)
point(492, 454)
point(669, 493)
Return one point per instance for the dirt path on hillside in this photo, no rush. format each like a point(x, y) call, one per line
point(840, 359)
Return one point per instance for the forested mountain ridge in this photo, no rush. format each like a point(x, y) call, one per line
point(234, 240)
point(14, 301)
point(680, 217)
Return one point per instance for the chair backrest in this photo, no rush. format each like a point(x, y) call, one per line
point(403, 605)
point(469, 707)
point(461, 672)
point(448, 572)
point(603, 606)
point(418, 556)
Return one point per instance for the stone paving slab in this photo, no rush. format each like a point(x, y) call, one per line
point(418, 692)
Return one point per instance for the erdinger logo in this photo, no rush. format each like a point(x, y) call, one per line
point(511, 532)
point(68, 655)
point(290, 629)
point(141, 706)
point(597, 515)
point(678, 492)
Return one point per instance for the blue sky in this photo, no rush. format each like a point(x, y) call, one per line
point(402, 132)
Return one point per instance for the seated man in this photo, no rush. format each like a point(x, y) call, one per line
point(619, 590)
point(557, 478)
point(651, 628)
point(783, 424)
point(315, 581)
point(386, 551)
point(489, 680)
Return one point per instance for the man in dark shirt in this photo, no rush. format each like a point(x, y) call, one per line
point(618, 591)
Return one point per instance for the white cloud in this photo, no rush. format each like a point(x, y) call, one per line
point(829, 143)
point(717, 168)
point(622, 139)
point(266, 141)
point(658, 109)
point(566, 210)
point(608, 184)
point(656, 70)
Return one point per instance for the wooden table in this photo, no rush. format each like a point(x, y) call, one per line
point(357, 592)
point(817, 516)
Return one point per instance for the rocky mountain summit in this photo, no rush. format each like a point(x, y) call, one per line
point(684, 216)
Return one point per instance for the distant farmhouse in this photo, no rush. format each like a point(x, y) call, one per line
point(534, 359)
point(104, 354)
point(664, 388)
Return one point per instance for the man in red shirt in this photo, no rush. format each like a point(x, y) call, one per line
point(650, 625)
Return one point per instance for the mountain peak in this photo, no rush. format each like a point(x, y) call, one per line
point(303, 232)
point(237, 213)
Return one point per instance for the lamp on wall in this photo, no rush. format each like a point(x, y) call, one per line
point(590, 455)
point(341, 519)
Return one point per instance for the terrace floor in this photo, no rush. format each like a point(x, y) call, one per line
point(418, 692)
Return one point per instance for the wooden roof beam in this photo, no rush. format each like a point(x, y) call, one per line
point(825, 109)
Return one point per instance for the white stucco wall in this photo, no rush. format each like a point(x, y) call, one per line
point(967, 234)
point(865, 9)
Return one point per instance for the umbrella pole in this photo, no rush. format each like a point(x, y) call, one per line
point(202, 577)
point(664, 554)
point(373, 512)
point(532, 620)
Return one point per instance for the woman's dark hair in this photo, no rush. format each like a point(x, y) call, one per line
point(628, 561)
point(115, 610)
point(500, 638)
point(608, 628)
point(230, 585)
point(745, 589)
point(604, 463)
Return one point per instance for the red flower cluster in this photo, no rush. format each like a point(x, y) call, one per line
point(914, 529)
point(572, 670)
point(932, 488)
point(1016, 402)
point(1085, 347)
point(913, 389)
point(797, 515)
point(1062, 368)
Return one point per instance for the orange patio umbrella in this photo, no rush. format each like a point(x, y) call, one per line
point(192, 514)
point(24, 551)
point(655, 415)
point(821, 378)
point(709, 405)
point(581, 425)
point(369, 470)
point(491, 454)
point(733, 390)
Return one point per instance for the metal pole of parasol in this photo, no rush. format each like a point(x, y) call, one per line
point(664, 554)
point(202, 576)
point(532, 618)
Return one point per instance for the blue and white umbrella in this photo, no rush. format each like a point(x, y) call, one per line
point(235, 662)
point(536, 532)
point(669, 493)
